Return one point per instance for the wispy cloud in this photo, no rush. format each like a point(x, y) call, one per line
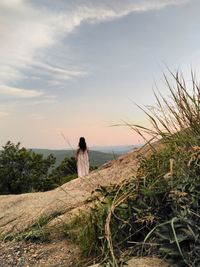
point(46, 99)
point(38, 117)
point(27, 30)
point(11, 3)
point(3, 114)
point(19, 92)
point(60, 72)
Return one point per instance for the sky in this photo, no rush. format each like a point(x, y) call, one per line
point(74, 67)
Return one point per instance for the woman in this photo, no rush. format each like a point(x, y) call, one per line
point(82, 158)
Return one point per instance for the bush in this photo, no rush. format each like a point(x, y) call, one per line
point(37, 233)
point(65, 172)
point(22, 170)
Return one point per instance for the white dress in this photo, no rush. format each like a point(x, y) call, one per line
point(82, 162)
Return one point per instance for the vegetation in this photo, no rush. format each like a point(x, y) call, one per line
point(65, 172)
point(157, 211)
point(22, 170)
point(37, 233)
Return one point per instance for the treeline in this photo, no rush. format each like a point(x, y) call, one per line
point(22, 170)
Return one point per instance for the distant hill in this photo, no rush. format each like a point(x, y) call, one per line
point(97, 158)
point(98, 154)
point(123, 149)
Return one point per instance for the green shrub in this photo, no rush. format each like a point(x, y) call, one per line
point(65, 172)
point(22, 170)
point(36, 233)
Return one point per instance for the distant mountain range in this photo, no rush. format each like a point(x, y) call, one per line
point(115, 149)
point(98, 154)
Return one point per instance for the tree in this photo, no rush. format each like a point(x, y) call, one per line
point(65, 172)
point(23, 170)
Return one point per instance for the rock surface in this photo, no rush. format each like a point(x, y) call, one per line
point(143, 262)
point(19, 212)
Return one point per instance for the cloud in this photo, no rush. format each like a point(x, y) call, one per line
point(10, 73)
point(28, 30)
point(46, 99)
point(38, 117)
point(10, 3)
point(60, 72)
point(3, 114)
point(18, 92)
point(24, 32)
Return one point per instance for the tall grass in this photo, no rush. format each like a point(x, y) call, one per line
point(157, 211)
point(176, 118)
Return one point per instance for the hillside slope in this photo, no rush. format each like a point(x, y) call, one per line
point(18, 212)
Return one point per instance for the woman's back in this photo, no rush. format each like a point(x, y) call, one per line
point(82, 158)
point(82, 162)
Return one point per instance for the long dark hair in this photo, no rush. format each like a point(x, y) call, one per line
point(82, 144)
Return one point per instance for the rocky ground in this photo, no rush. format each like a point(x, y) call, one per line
point(19, 212)
point(143, 262)
point(54, 254)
